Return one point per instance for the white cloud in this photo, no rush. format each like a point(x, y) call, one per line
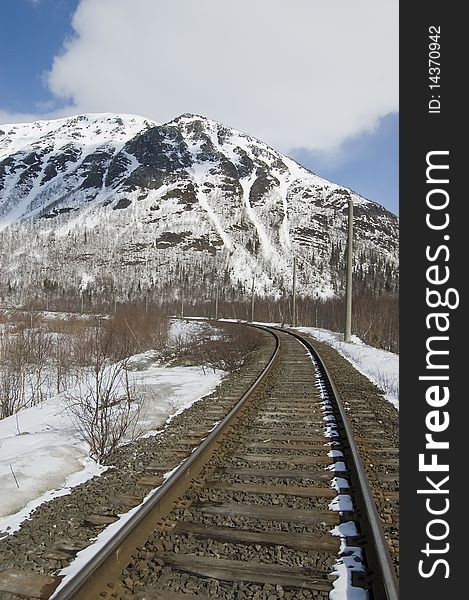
point(7, 117)
point(305, 73)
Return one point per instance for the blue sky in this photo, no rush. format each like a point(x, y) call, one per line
point(32, 34)
point(367, 163)
point(303, 101)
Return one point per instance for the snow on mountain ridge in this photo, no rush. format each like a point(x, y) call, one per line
point(91, 129)
point(192, 190)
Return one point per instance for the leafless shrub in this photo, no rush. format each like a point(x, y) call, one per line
point(65, 372)
point(13, 361)
point(12, 392)
point(229, 351)
point(38, 355)
point(105, 408)
point(69, 324)
point(179, 343)
point(389, 383)
point(136, 330)
point(224, 348)
point(24, 355)
point(40, 346)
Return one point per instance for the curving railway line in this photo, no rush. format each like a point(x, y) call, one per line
point(249, 511)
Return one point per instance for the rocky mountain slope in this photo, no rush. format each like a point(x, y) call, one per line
point(120, 204)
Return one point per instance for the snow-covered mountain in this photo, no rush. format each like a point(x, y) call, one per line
point(128, 204)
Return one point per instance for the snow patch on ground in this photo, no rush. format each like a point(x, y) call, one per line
point(184, 329)
point(381, 367)
point(41, 448)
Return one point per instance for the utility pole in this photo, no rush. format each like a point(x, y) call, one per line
point(183, 274)
point(216, 302)
point(294, 293)
point(252, 299)
point(348, 288)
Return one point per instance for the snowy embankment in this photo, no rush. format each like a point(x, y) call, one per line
point(42, 455)
point(381, 367)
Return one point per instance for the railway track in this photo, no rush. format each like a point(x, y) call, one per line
point(248, 514)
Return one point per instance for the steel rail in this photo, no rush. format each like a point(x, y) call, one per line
point(108, 563)
point(381, 570)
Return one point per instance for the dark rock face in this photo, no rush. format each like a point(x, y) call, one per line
point(186, 195)
point(163, 157)
point(123, 203)
point(245, 164)
point(169, 238)
point(9, 166)
point(93, 168)
point(261, 186)
point(58, 163)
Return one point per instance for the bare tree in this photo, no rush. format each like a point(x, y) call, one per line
point(226, 349)
point(12, 374)
point(105, 407)
point(12, 392)
point(40, 346)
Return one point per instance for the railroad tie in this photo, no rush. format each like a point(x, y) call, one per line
point(237, 570)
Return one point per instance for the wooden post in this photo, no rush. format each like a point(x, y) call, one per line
point(294, 323)
point(252, 299)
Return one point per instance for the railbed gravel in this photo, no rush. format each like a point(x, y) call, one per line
point(253, 524)
point(221, 496)
point(383, 418)
point(211, 588)
point(257, 553)
point(278, 481)
point(163, 578)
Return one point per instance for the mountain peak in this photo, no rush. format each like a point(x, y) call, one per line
point(189, 117)
point(191, 191)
